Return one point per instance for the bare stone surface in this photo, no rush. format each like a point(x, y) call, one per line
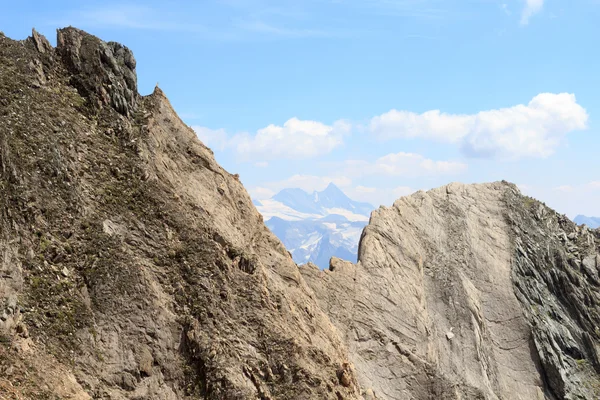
point(556, 281)
point(433, 307)
point(40, 42)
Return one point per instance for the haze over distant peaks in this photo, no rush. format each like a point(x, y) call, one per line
point(295, 204)
point(592, 222)
point(316, 226)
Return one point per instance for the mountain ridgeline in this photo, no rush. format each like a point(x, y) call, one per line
point(315, 227)
point(326, 201)
point(591, 222)
point(134, 267)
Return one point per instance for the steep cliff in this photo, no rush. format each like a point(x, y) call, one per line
point(132, 265)
point(469, 292)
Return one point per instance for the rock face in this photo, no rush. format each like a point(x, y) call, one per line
point(555, 275)
point(132, 266)
point(102, 72)
point(469, 292)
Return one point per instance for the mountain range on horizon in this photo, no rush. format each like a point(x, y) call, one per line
point(320, 225)
point(591, 222)
point(294, 204)
point(316, 226)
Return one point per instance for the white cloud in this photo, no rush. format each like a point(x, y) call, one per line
point(531, 7)
point(213, 138)
point(429, 125)
point(581, 188)
point(532, 130)
point(364, 189)
point(260, 193)
point(296, 139)
point(402, 164)
point(594, 185)
point(536, 129)
point(564, 188)
point(261, 164)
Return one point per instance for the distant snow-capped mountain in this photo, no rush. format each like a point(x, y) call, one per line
point(316, 226)
point(592, 222)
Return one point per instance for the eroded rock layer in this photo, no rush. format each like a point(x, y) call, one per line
point(469, 292)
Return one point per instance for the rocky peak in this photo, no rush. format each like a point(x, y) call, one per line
point(103, 72)
point(40, 42)
point(333, 190)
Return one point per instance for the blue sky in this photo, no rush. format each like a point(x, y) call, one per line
point(382, 97)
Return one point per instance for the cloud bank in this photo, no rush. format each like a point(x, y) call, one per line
point(532, 130)
point(535, 129)
point(408, 165)
point(295, 139)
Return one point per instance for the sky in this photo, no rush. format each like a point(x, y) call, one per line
point(381, 97)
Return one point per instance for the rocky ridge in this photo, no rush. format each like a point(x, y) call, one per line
point(469, 292)
point(133, 266)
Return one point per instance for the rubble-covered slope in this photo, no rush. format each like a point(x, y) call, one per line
point(469, 292)
point(131, 264)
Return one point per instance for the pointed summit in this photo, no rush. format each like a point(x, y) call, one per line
point(591, 222)
point(332, 189)
point(332, 200)
point(331, 186)
point(333, 197)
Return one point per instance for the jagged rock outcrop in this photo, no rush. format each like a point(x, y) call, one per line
point(131, 264)
point(469, 292)
point(104, 73)
point(555, 275)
